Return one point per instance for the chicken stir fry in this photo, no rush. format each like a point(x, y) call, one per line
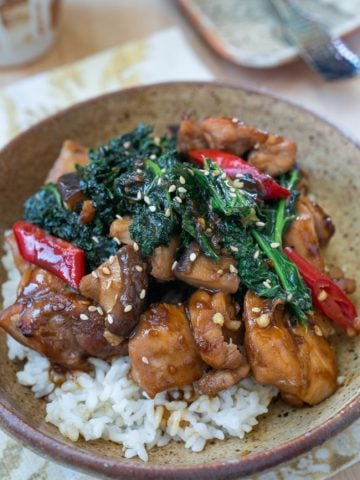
point(220, 216)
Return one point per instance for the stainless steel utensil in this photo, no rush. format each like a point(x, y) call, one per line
point(326, 55)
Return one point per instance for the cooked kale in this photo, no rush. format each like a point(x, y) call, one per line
point(144, 177)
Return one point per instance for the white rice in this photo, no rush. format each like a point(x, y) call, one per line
point(106, 404)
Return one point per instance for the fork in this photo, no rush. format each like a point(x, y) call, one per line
point(326, 55)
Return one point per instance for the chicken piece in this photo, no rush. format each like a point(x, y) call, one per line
point(20, 263)
point(208, 315)
point(119, 285)
point(163, 259)
point(120, 229)
point(72, 153)
point(223, 133)
point(163, 353)
point(60, 324)
point(338, 276)
point(300, 363)
point(190, 135)
point(88, 212)
point(324, 226)
point(275, 156)
point(200, 271)
point(302, 236)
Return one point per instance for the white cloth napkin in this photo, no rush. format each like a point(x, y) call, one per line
point(140, 62)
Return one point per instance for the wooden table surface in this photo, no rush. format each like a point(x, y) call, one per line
point(89, 26)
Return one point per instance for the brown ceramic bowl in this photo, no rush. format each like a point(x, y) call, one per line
point(333, 162)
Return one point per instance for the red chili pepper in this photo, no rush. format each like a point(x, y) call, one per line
point(327, 296)
point(54, 254)
point(233, 165)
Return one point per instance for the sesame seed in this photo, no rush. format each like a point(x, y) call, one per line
point(182, 180)
point(159, 182)
point(172, 188)
point(135, 247)
point(256, 309)
point(127, 144)
point(147, 200)
point(274, 244)
point(322, 296)
point(220, 271)
point(178, 199)
point(109, 318)
point(218, 319)
point(92, 308)
point(142, 293)
point(233, 269)
point(340, 380)
point(163, 170)
point(216, 173)
point(289, 297)
point(232, 189)
point(116, 240)
point(83, 316)
point(157, 141)
point(235, 120)
point(119, 217)
point(138, 268)
point(139, 195)
point(239, 175)
point(138, 170)
point(256, 254)
point(108, 285)
point(152, 208)
point(106, 270)
point(233, 248)
point(167, 212)
point(192, 257)
point(153, 156)
point(100, 310)
point(238, 184)
point(128, 308)
point(263, 320)
point(208, 230)
point(95, 239)
point(206, 173)
point(223, 176)
point(94, 274)
point(233, 195)
point(267, 283)
point(173, 266)
point(318, 331)
point(111, 259)
point(190, 171)
point(182, 190)
point(145, 360)
point(260, 224)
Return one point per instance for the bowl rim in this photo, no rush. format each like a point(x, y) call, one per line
point(74, 457)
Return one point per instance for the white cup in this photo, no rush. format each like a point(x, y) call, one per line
point(28, 28)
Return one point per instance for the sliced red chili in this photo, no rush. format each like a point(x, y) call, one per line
point(60, 257)
point(234, 165)
point(328, 297)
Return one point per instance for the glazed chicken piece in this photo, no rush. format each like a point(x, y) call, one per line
point(324, 226)
point(19, 261)
point(71, 154)
point(209, 316)
point(302, 235)
point(338, 276)
point(163, 259)
point(120, 229)
point(223, 133)
point(275, 156)
point(200, 271)
point(163, 353)
point(62, 325)
point(119, 285)
point(298, 361)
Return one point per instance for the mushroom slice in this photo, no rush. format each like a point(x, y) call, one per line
point(119, 285)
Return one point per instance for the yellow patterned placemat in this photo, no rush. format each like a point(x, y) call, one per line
point(144, 61)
